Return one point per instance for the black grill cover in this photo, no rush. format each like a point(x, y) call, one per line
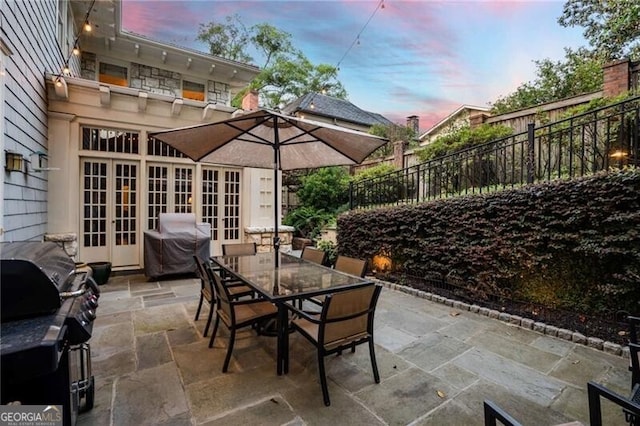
point(32, 275)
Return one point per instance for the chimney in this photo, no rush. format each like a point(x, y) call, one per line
point(413, 122)
point(250, 101)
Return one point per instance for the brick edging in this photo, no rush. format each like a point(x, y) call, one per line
point(526, 323)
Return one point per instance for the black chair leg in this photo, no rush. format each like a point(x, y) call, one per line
point(199, 307)
point(374, 364)
point(232, 340)
point(206, 327)
point(323, 379)
point(215, 330)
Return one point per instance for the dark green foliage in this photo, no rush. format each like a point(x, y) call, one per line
point(578, 73)
point(325, 189)
point(573, 244)
point(330, 249)
point(462, 138)
point(308, 221)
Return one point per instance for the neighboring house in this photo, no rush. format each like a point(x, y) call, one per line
point(451, 123)
point(92, 177)
point(318, 107)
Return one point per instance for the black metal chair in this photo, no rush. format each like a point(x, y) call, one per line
point(634, 324)
point(493, 413)
point(630, 406)
point(351, 265)
point(236, 314)
point(207, 291)
point(314, 255)
point(346, 320)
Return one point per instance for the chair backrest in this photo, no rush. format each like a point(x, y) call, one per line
point(348, 315)
point(314, 255)
point(634, 362)
point(350, 265)
point(239, 249)
point(200, 272)
point(223, 298)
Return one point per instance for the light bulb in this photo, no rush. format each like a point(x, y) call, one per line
point(58, 82)
point(312, 106)
point(87, 27)
point(76, 50)
point(66, 69)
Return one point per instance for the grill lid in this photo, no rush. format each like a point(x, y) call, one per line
point(32, 275)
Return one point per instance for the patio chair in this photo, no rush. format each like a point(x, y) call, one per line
point(314, 255)
point(236, 314)
point(493, 413)
point(351, 265)
point(207, 291)
point(239, 249)
point(348, 265)
point(346, 320)
point(634, 324)
point(630, 406)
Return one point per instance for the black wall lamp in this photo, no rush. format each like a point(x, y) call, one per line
point(14, 162)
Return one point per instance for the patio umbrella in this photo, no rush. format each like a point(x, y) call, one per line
point(270, 140)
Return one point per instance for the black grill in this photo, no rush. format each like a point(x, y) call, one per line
point(48, 308)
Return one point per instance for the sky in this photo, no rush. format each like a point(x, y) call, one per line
point(419, 57)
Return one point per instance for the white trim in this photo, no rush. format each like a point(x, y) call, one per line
point(450, 116)
point(3, 59)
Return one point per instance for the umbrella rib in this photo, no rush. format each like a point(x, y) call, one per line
point(308, 132)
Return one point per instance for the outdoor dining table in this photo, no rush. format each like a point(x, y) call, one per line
point(292, 280)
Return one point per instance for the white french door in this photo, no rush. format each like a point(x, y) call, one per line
point(109, 217)
point(220, 205)
point(169, 190)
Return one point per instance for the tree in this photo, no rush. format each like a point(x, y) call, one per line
point(612, 27)
point(578, 73)
point(286, 72)
point(292, 76)
point(227, 40)
point(393, 132)
point(325, 189)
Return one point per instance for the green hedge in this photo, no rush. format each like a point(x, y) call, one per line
point(568, 244)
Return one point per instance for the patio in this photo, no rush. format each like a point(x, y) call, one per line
point(437, 364)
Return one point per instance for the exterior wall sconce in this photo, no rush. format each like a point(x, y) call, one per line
point(14, 162)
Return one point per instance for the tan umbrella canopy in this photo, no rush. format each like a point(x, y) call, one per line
point(269, 140)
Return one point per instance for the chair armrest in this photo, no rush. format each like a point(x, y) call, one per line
point(246, 301)
point(595, 391)
point(302, 314)
point(492, 413)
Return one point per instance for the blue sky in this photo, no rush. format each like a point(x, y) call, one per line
point(424, 58)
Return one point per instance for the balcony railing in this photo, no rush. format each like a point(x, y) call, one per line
point(581, 145)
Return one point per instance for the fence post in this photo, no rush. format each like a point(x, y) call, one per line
point(350, 195)
point(417, 183)
point(531, 132)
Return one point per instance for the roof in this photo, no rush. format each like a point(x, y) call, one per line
point(451, 116)
point(339, 109)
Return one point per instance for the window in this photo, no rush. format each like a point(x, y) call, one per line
point(161, 149)
point(109, 140)
point(62, 25)
point(191, 90)
point(113, 74)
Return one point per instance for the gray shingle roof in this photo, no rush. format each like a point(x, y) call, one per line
point(341, 109)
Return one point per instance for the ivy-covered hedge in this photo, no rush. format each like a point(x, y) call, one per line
point(568, 244)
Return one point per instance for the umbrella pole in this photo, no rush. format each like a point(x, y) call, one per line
point(276, 158)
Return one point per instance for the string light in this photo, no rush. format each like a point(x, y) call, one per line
point(355, 41)
point(66, 70)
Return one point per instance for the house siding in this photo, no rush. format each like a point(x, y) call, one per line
point(33, 53)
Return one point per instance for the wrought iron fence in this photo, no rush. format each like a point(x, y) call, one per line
point(577, 146)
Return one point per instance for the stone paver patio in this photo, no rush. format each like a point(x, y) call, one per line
point(437, 364)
